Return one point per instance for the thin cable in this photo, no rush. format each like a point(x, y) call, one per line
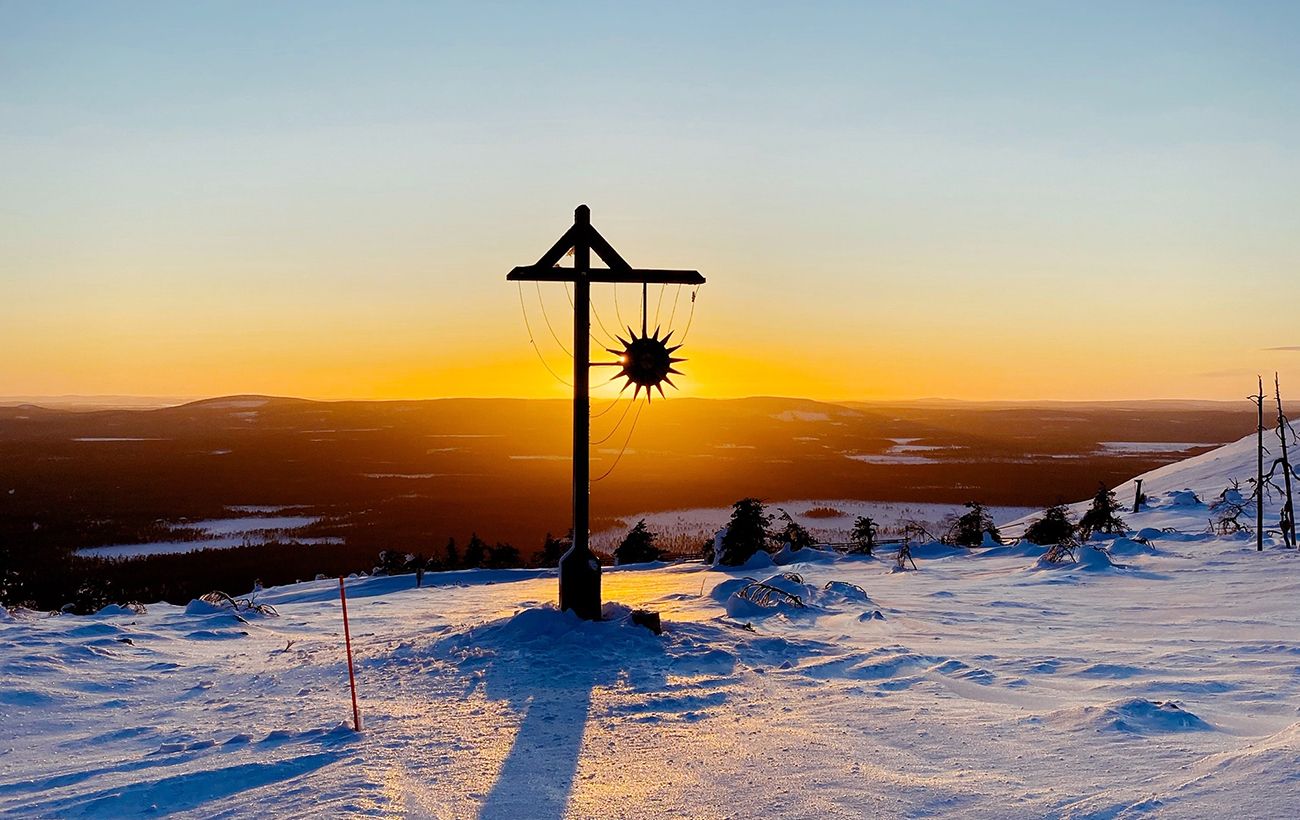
point(619, 458)
point(617, 425)
point(659, 306)
point(617, 311)
point(691, 317)
point(611, 406)
point(529, 328)
point(611, 339)
point(673, 315)
point(567, 352)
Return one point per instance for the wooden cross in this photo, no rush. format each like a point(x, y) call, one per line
point(579, 568)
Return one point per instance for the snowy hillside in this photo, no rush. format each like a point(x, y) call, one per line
point(1161, 681)
point(1206, 476)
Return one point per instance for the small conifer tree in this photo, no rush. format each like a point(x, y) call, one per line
point(553, 550)
point(637, 547)
point(475, 551)
point(863, 535)
point(1055, 527)
point(746, 532)
point(792, 533)
point(1102, 515)
point(503, 556)
point(969, 528)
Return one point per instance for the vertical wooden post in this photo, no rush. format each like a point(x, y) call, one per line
point(347, 640)
point(1137, 497)
point(579, 569)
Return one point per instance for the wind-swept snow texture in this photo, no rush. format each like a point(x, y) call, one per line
point(1161, 681)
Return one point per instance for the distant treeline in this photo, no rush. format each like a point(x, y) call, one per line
point(45, 578)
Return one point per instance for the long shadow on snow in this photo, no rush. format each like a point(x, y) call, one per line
point(546, 664)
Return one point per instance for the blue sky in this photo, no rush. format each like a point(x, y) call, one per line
point(312, 197)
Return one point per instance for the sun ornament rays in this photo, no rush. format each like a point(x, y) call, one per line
point(647, 362)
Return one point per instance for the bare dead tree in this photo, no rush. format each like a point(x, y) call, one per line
point(1258, 400)
point(1288, 507)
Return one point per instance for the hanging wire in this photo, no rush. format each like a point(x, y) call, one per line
point(673, 315)
point(610, 338)
point(659, 306)
point(694, 292)
point(611, 406)
point(617, 425)
point(617, 311)
point(542, 303)
point(623, 449)
point(524, 311)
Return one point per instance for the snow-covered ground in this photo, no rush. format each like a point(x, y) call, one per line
point(982, 685)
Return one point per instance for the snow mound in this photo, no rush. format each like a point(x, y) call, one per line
point(198, 607)
point(1126, 547)
point(548, 627)
point(1131, 715)
point(1087, 559)
point(1178, 498)
point(806, 555)
point(785, 593)
point(759, 560)
point(1023, 549)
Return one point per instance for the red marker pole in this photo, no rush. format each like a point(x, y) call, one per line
point(347, 639)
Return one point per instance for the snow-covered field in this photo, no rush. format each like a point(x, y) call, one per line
point(981, 685)
point(219, 533)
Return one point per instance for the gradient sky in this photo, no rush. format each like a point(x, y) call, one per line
point(971, 200)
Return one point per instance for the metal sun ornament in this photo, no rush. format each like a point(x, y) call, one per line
point(647, 362)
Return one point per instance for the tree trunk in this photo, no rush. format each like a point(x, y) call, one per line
point(1288, 508)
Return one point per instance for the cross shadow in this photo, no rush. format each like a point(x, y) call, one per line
point(537, 776)
point(547, 665)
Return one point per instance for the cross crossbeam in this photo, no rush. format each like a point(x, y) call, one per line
point(533, 273)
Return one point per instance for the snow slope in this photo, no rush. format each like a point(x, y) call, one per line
point(1161, 683)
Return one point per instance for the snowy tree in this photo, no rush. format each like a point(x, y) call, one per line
point(969, 528)
point(637, 547)
point(792, 533)
point(863, 535)
point(1102, 515)
point(1055, 527)
point(746, 532)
